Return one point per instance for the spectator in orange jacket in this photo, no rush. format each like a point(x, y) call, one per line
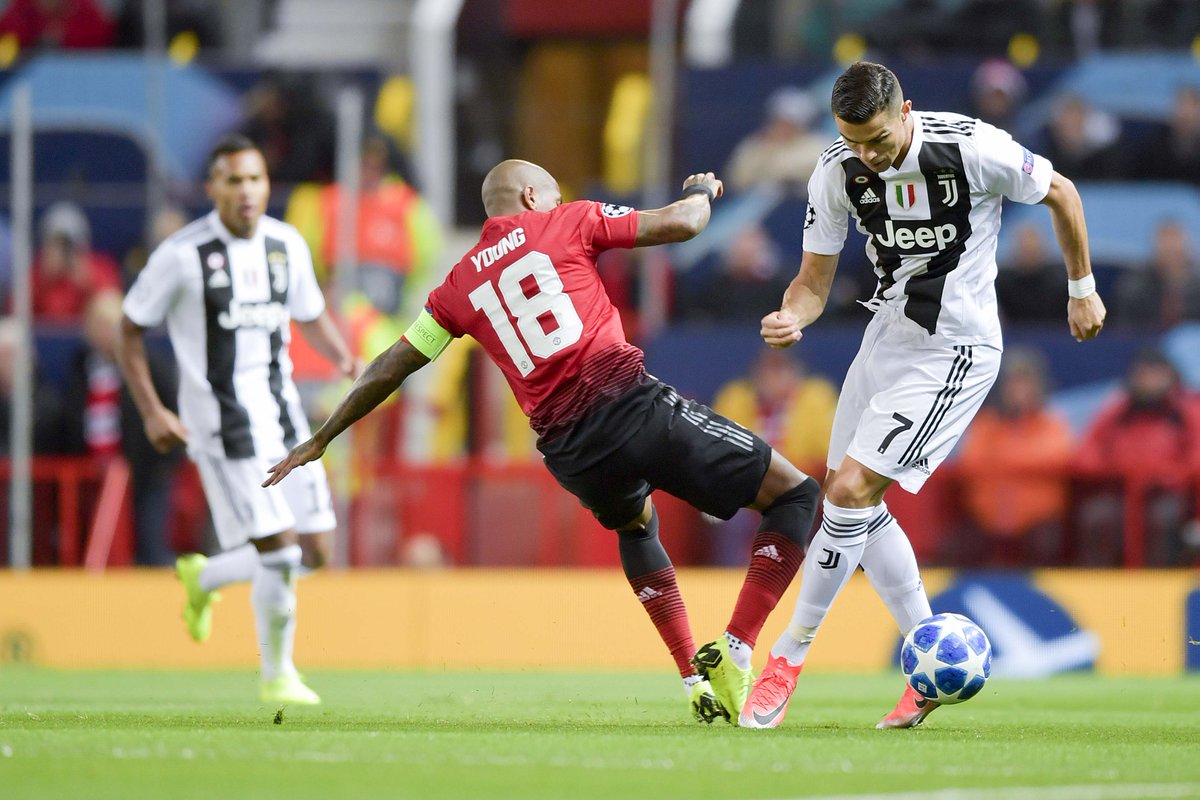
point(1014, 468)
point(1150, 433)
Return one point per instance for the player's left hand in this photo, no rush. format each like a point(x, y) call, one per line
point(301, 454)
point(1086, 316)
point(706, 179)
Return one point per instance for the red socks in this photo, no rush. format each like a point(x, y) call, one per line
point(659, 595)
point(774, 561)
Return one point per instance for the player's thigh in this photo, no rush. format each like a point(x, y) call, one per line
point(860, 385)
point(692, 452)
point(610, 490)
point(912, 424)
point(306, 490)
point(241, 509)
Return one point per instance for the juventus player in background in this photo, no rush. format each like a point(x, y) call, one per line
point(529, 293)
point(926, 190)
point(227, 286)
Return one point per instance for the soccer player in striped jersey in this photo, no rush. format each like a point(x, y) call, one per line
point(926, 189)
point(529, 293)
point(227, 286)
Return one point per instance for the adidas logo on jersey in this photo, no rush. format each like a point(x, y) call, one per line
point(770, 551)
point(868, 197)
point(647, 594)
point(218, 280)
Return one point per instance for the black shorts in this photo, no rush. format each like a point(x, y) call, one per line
point(651, 438)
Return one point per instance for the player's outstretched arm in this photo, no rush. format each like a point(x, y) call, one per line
point(1085, 309)
point(803, 301)
point(381, 377)
point(684, 218)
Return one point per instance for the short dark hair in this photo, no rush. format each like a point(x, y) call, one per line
point(228, 145)
point(863, 90)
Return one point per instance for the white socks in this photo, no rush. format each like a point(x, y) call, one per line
point(273, 596)
point(232, 566)
point(739, 651)
point(892, 569)
point(833, 555)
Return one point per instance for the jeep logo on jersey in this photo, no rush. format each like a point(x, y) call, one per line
point(922, 237)
point(271, 316)
point(614, 210)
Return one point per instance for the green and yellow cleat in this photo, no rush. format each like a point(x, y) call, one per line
point(287, 690)
point(197, 611)
point(730, 683)
point(704, 704)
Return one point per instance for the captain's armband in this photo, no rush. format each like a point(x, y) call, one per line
point(429, 338)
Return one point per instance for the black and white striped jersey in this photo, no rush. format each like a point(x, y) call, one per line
point(227, 303)
point(931, 224)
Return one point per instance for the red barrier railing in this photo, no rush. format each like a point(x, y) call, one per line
point(480, 512)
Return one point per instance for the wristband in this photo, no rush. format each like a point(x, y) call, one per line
point(1082, 287)
point(698, 188)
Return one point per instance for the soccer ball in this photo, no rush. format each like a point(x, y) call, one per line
point(946, 658)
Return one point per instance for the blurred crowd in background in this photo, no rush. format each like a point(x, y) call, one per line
point(1063, 461)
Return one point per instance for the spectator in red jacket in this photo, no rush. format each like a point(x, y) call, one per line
point(67, 272)
point(57, 24)
point(1150, 433)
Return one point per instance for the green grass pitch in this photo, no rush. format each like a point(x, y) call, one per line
point(180, 735)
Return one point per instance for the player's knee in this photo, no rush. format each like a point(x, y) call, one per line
point(640, 532)
point(793, 511)
point(315, 551)
point(850, 489)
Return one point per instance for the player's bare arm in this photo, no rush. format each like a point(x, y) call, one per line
point(803, 301)
point(327, 340)
point(1085, 315)
point(381, 377)
point(163, 428)
point(684, 218)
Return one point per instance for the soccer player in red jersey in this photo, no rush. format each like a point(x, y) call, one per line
point(610, 433)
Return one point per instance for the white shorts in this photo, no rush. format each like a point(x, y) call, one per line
point(906, 401)
point(242, 509)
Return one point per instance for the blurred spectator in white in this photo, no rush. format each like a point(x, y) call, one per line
point(1173, 154)
point(1166, 291)
point(1148, 432)
point(1030, 286)
point(1014, 467)
point(103, 423)
point(1083, 142)
point(784, 150)
point(997, 91)
point(54, 24)
point(746, 285)
point(49, 436)
point(423, 551)
point(66, 270)
point(1090, 25)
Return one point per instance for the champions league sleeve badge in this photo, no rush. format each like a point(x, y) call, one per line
point(613, 210)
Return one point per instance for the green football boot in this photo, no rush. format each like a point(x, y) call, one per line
point(197, 611)
point(704, 704)
point(730, 683)
point(287, 690)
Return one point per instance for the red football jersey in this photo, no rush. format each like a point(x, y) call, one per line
point(529, 293)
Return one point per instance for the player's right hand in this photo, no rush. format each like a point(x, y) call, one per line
point(301, 454)
point(781, 329)
point(165, 431)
